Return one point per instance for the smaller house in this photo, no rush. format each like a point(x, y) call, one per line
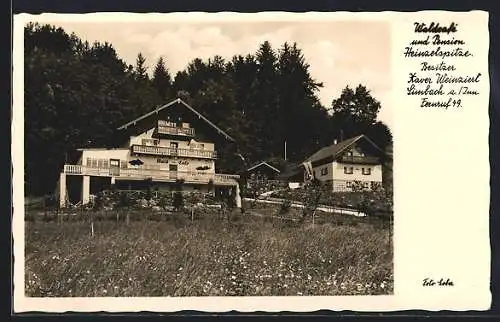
point(345, 164)
point(263, 171)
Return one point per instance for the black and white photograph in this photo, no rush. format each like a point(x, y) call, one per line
point(207, 158)
point(251, 162)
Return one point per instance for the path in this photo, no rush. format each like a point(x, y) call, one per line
point(324, 208)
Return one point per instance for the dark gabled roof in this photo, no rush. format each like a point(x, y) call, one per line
point(178, 100)
point(261, 164)
point(335, 149)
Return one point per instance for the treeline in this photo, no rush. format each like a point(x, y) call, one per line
point(77, 94)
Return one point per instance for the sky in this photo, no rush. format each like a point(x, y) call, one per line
point(340, 53)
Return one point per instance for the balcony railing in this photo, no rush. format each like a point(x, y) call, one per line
point(360, 159)
point(163, 150)
point(166, 128)
point(160, 175)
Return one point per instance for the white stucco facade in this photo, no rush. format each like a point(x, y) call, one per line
point(342, 175)
point(166, 152)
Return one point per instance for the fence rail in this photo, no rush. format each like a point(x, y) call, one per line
point(163, 150)
point(165, 129)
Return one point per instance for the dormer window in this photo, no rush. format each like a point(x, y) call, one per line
point(150, 142)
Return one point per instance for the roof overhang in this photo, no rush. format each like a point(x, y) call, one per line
point(177, 101)
point(261, 164)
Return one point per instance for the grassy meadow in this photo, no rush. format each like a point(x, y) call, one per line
point(242, 255)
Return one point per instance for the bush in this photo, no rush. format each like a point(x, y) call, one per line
point(98, 202)
point(178, 200)
point(230, 202)
point(285, 207)
point(163, 201)
point(124, 200)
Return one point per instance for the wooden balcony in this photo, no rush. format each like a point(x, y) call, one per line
point(167, 151)
point(359, 159)
point(166, 128)
point(157, 175)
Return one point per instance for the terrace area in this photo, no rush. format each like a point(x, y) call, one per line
point(197, 177)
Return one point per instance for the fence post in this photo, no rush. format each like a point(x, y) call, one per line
point(44, 209)
point(91, 224)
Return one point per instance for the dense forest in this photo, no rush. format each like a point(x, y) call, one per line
point(77, 94)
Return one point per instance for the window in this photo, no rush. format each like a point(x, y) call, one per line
point(349, 153)
point(366, 171)
point(348, 184)
point(348, 170)
point(324, 171)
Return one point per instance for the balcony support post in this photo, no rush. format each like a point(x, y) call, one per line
point(62, 190)
point(237, 196)
point(85, 190)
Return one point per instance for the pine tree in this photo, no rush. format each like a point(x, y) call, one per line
point(141, 68)
point(162, 80)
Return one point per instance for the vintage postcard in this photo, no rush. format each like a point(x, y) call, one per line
point(266, 161)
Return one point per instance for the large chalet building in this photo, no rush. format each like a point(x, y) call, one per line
point(171, 143)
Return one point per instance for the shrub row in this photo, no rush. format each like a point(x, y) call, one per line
point(369, 201)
